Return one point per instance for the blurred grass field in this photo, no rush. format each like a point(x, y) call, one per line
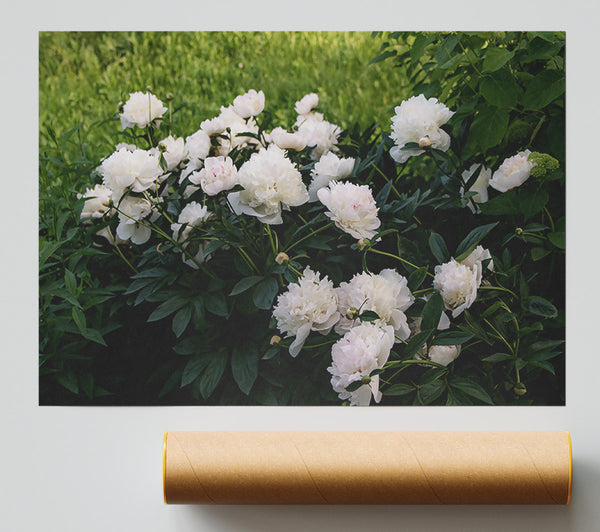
point(84, 75)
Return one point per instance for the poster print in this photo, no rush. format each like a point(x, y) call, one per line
point(307, 218)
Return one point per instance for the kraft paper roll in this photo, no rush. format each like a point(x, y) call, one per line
point(367, 467)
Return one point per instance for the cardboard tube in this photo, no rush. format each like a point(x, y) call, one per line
point(367, 467)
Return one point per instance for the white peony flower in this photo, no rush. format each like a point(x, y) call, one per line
point(138, 170)
point(457, 285)
point(307, 103)
point(214, 126)
point(513, 172)
point(416, 118)
point(329, 168)
point(250, 104)
point(285, 140)
point(361, 351)
point(443, 354)
point(192, 215)
point(387, 294)
point(132, 211)
point(98, 203)
point(476, 258)
point(174, 151)
point(351, 207)
point(197, 148)
point(318, 133)
point(141, 109)
point(218, 174)
point(308, 305)
point(480, 187)
point(271, 182)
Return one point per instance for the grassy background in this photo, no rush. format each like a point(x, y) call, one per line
point(84, 75)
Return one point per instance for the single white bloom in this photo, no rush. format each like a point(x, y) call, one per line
point(174, 152)
point(271, 182)
point(141, 109)
point(250, 104)
point(513, 172)
point(192, 215)
point(197, 148)
point(218, 174)
point(308, 305)
point(457, 285)
point(416, 118)
point(285, 140)
point(98, 203)
point(214, 126)
point(329, 168)
point(318, 133)
point(138, 170)
point(235, 138)
point(132, 212)
point(361, 351)
point(352, 208)
point(476, 258)
point(307, 103)
point(386, 293)
point(480, 187)
point(444, 354)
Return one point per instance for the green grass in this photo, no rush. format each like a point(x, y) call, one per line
point(84, 76)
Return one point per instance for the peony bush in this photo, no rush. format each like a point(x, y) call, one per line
point(415, 263)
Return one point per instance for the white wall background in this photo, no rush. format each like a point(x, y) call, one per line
point(99, 469)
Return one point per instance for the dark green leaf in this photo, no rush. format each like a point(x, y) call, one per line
point(70, 282)
point(489, 127)
point(471, 388)
point(244, 284)
point(469, 243)
point(416, 278)
point(216, 304)
point(540, 307)
point(168, 307)
point(193, 369)
point(181, 320)
point(416, 342)
point(244, 366)
point(69, 381)
point(212, 246)
point(544, 89)
point(86, 382)
point(369, 315)
point(382, 56)
point(500, 89)
point(539, 253)
point(79, 319)
point(545, 344)
point(497, 357)
point(213, 373)
point(452, 338)
point(94, 336)
point(189, 346)
point(264, 293)
point(496, 58)
point(399, 389)
point(438, 248)
point(432, 312)
point(431, 391)
point(558, 239)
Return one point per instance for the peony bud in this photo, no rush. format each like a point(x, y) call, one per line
point(519, 231)
point(363, 243)
point(366, 379)
point(352, 313)
point(520, 389)
point(275, 340)
point(424, 142)
point(282, 258)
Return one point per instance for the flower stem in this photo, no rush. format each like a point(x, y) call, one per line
point(397, 258)
point(308, 236)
